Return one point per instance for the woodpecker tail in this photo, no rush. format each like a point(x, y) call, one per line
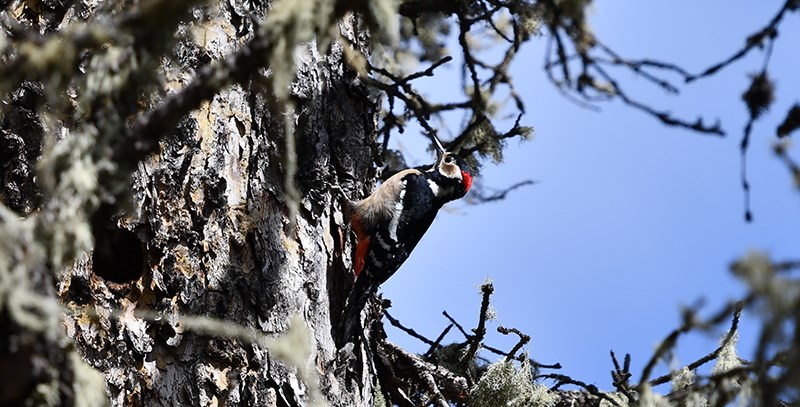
point(351, 317)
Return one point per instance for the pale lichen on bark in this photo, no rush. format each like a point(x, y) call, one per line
point(222, 172)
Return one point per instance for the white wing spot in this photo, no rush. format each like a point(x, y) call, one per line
point(434, 187)
point(398, 209)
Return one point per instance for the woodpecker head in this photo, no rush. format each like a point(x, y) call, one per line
point(450, 177)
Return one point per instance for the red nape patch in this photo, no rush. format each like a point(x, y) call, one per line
point(467, 180)
point(361, 255)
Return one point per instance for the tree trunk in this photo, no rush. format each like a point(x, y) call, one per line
point(210, 235)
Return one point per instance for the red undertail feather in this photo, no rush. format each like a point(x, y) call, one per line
point(361, 255)
point(361, 248)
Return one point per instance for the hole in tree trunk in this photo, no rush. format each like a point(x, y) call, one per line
point(118, 256)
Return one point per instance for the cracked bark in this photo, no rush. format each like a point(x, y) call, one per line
point(210, 221)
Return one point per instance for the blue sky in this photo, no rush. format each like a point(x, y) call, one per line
point(630, 220)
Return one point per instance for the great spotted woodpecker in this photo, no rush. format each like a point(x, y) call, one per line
point(390, 222)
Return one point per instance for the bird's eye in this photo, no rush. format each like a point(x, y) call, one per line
point(449, 159)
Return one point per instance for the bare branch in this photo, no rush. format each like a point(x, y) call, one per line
point(438, 342)
point(481, 197)
point(770, 31)
point(475, 342)
point(523, 340)
point(622, 375)
point(409, 331)
point(457, 325)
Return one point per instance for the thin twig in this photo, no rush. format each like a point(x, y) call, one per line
point(500, 195)
point(409, 331)
point(753, 41)
point(711, 356)
point(437, 343)
point(592, 389)
point(622, 375)
point(665, 117)
point(457, 325)
point(523, 340)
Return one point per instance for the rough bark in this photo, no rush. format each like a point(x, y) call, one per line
point(212, 236)
point(192, 293)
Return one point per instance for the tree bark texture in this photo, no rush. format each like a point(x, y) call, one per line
point(209, 235)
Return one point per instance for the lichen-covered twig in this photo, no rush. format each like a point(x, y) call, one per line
point(669, 342)
point(737, 313)
point(443, 384)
